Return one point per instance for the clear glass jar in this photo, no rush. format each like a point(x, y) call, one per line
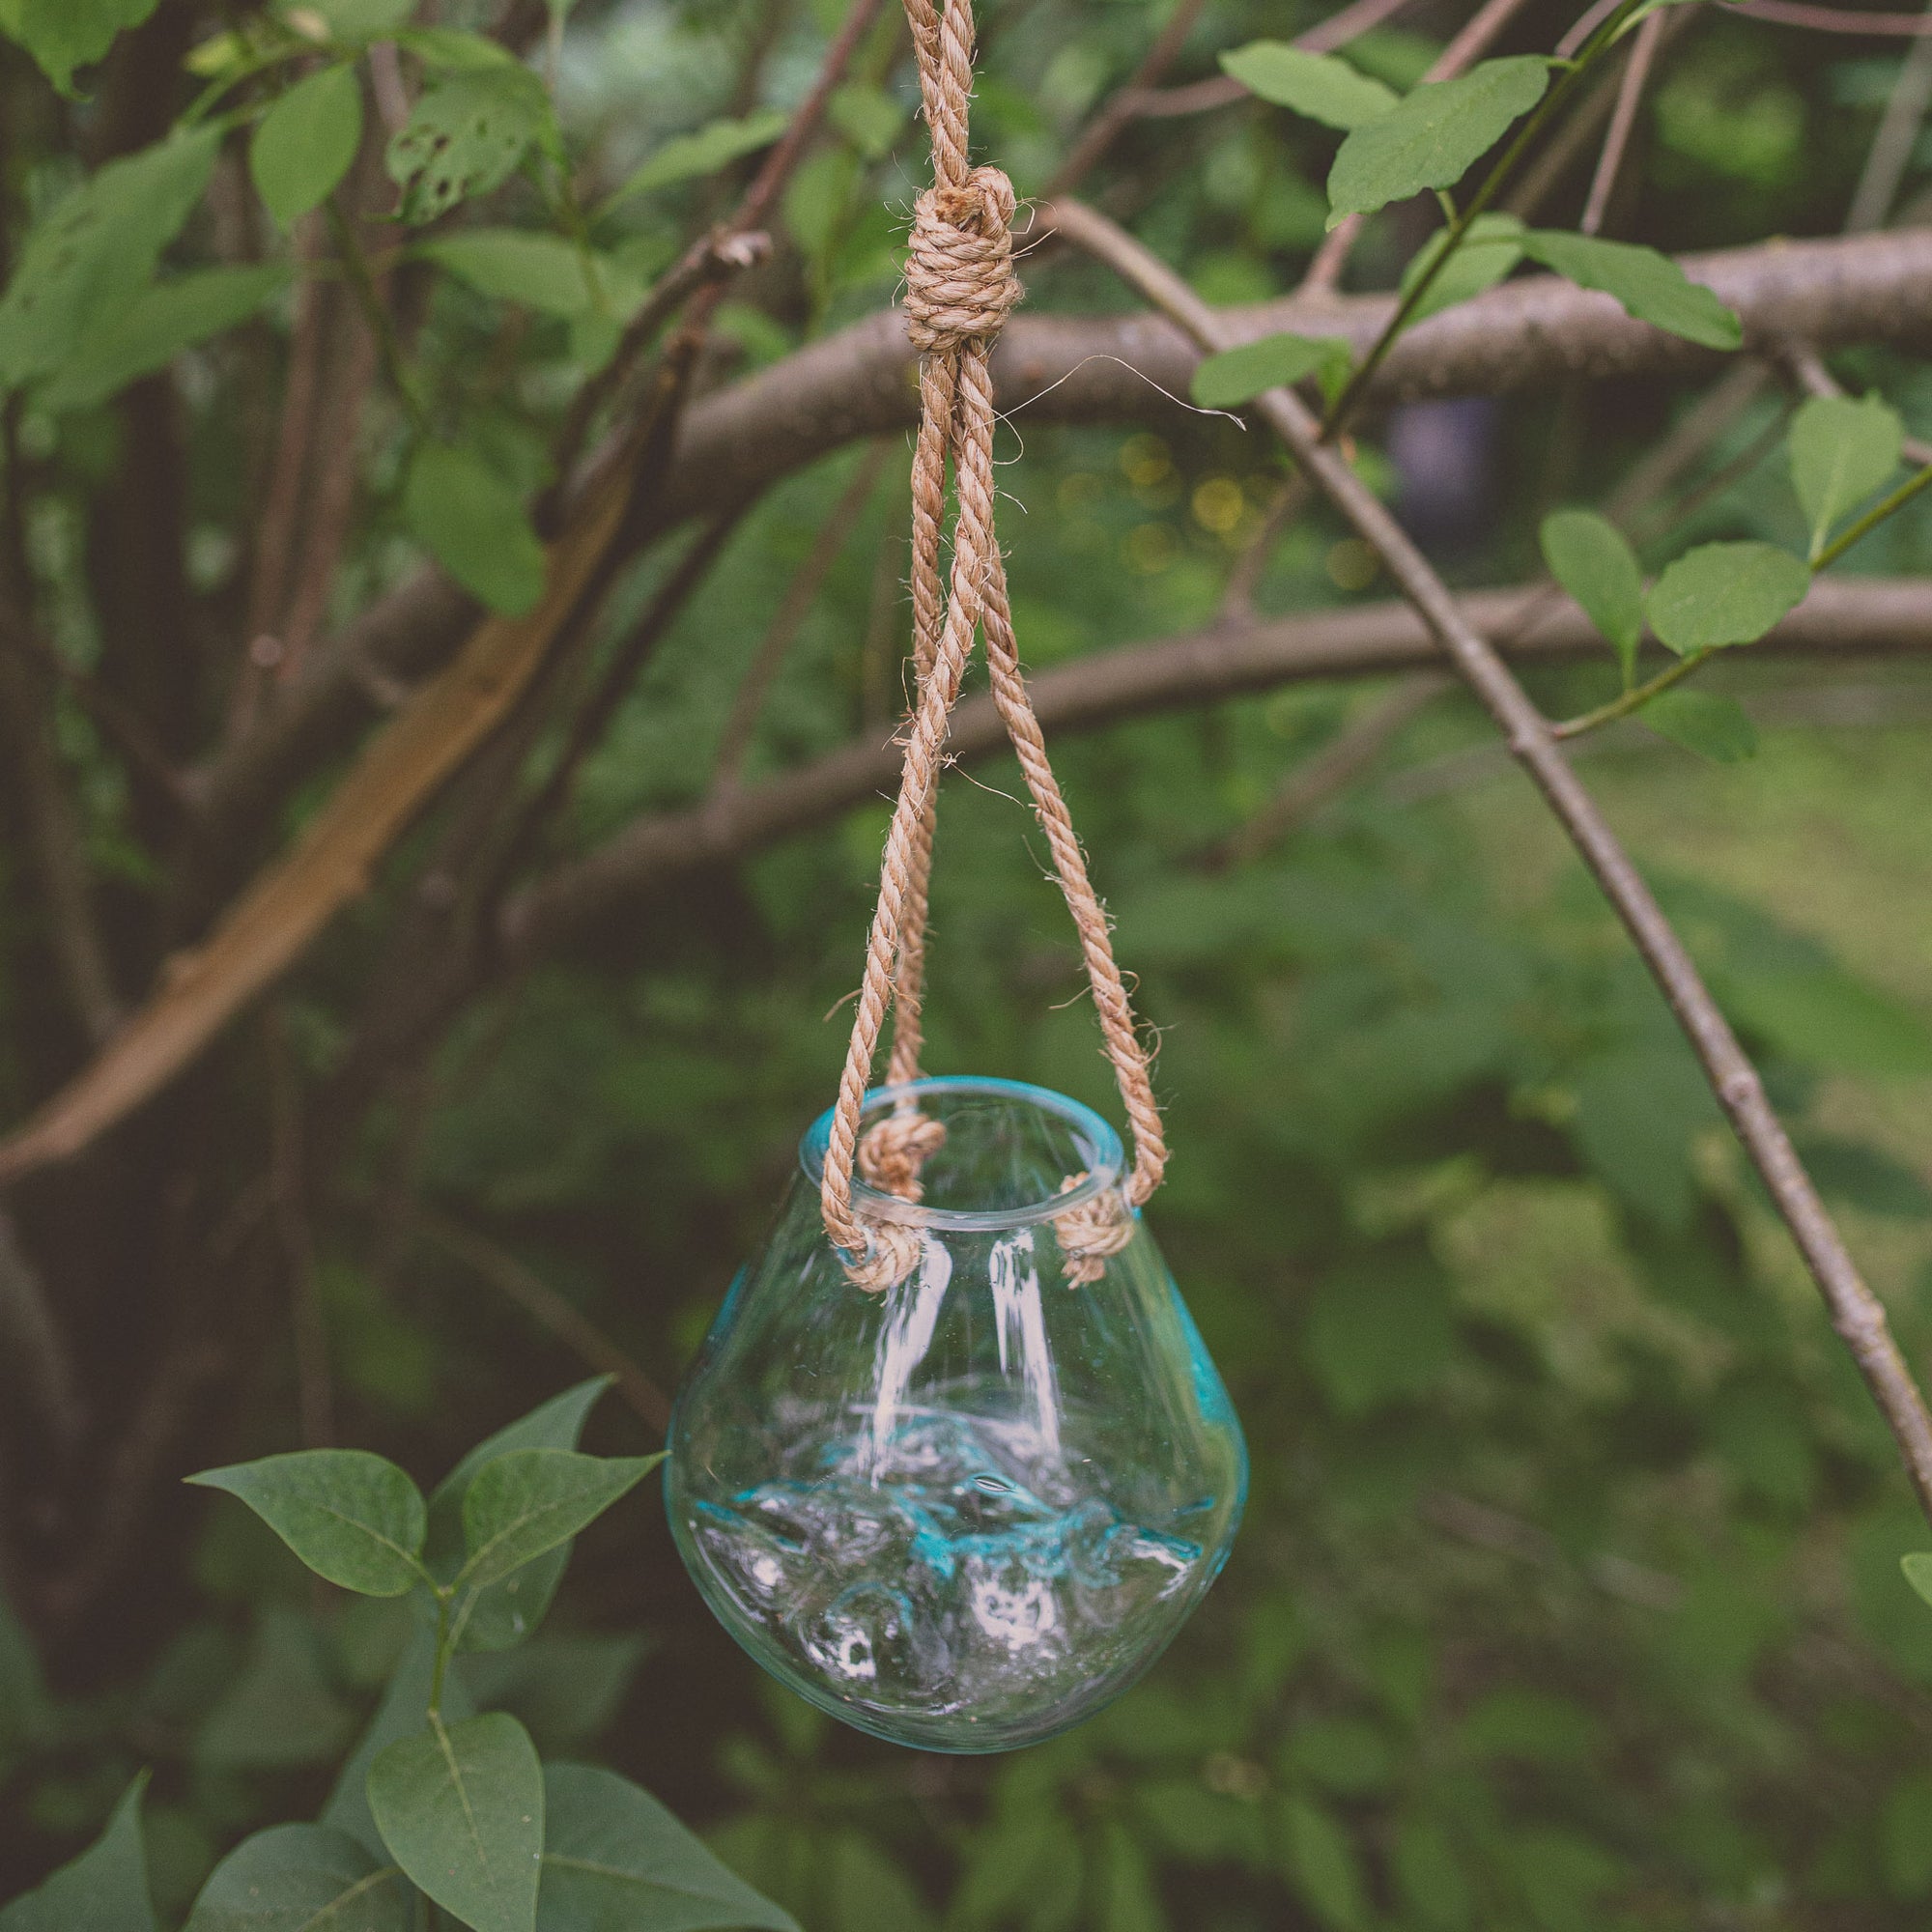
point(965, 1513)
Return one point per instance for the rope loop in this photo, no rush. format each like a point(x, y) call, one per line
point(961, 282)
point(960, 288)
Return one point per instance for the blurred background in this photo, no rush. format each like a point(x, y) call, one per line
point(1569, 1591)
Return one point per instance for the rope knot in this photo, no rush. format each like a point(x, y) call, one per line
point(1092, 1233)
point(960, 283)
point(894, 1149)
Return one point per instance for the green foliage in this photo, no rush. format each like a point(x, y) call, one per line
point(473, 523)
point(1918, 1568)
point(1320, 86)
point(461, 1808)
point(1724, 593)
point(1590, 557)
point(294, 1876)
point(520, 264)
point(96, 250)
point(1490, 249)
point(714, 146)
point(1650, 286)
point(63, 34)
point(357, 19)
point(305, 143)
point(520, 1505)
point(1238, 376)
point(466, 136)
point(105, 1889)
point(350, 1517)
point(1841, 451)
point(1717, 729)
point(1435, 135)
point(614, 1857)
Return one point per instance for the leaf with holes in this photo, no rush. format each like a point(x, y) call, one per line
point(99, 246)
point(615, 1857)
point(461, 1808)
point(1841, 451)
point(468, 135)
point(63, 34)
point(305, 143)
point(712, 147)
point(473, 523)
point(1319, 86)
point(155, 327)
point(1434, 137)
point(1724, 593)
point(1587, 554)
point(1238, 376)
point(1717, 729)
point(1651, 287)
point(105, 1889)
point(295, 1877)
point(350, 1517)
point(527, 1502)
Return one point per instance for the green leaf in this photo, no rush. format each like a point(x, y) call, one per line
point(565, 1689)
point(453, 51)
point(403, 1713)
point(532, 1500)
point(614, 1858)
point(1587, 554)
point(1823, 1015)
point(1488, 251)
point(88, 257)
point(1639, 1107)
point(63, 34)
point(508, 1611)
point(473, 523)
point(1918, 1568)
point(1432, 136)
point(350, 1517)
point(1651, 287)
point(518, 264)
point(1717, 729)
point(1429, 1876)
point(105, 1889)
point(302, 1878)
point(461, 1808)
point(702, 152)
point(466, 136)
point(306, 142)
point(867, 116)
point(1724, 593)
point(154, 327)
point(1321, 1866)
point(1320, 86)
point(1238, 376)
point(1841, 451)
point(1907, 1834)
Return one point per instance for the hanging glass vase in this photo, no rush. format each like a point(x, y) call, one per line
point(963, 1513)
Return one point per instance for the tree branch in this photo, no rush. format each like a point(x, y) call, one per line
point(1856, 1312)
point(1841, 619)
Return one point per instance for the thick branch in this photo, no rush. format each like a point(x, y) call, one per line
point(1839, 619)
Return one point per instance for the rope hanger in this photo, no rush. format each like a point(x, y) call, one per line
point(960, 288)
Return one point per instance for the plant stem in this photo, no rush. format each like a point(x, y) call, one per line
point(1872, 519)
point(442, 1596)
point(375, 312)
point(1856, 1312)
point(1632, 699)
point(1598, 43)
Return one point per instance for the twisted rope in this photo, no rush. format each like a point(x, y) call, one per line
point(960, 288)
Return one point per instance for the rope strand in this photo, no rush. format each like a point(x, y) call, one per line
point(960, 288)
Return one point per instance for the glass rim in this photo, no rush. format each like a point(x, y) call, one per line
point(1100, 1150)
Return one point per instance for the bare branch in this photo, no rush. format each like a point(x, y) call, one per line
point(1857, 1313)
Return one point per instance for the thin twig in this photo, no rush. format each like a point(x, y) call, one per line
point(1893, 145)
point(1623, 120)
point(1856, 1312)
point(551, 1311)
point(1122, 105)
point(829, 541)
point(1237, 595)
point(1832, 19)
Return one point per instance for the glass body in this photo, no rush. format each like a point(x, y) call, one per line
point(965, 1513)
